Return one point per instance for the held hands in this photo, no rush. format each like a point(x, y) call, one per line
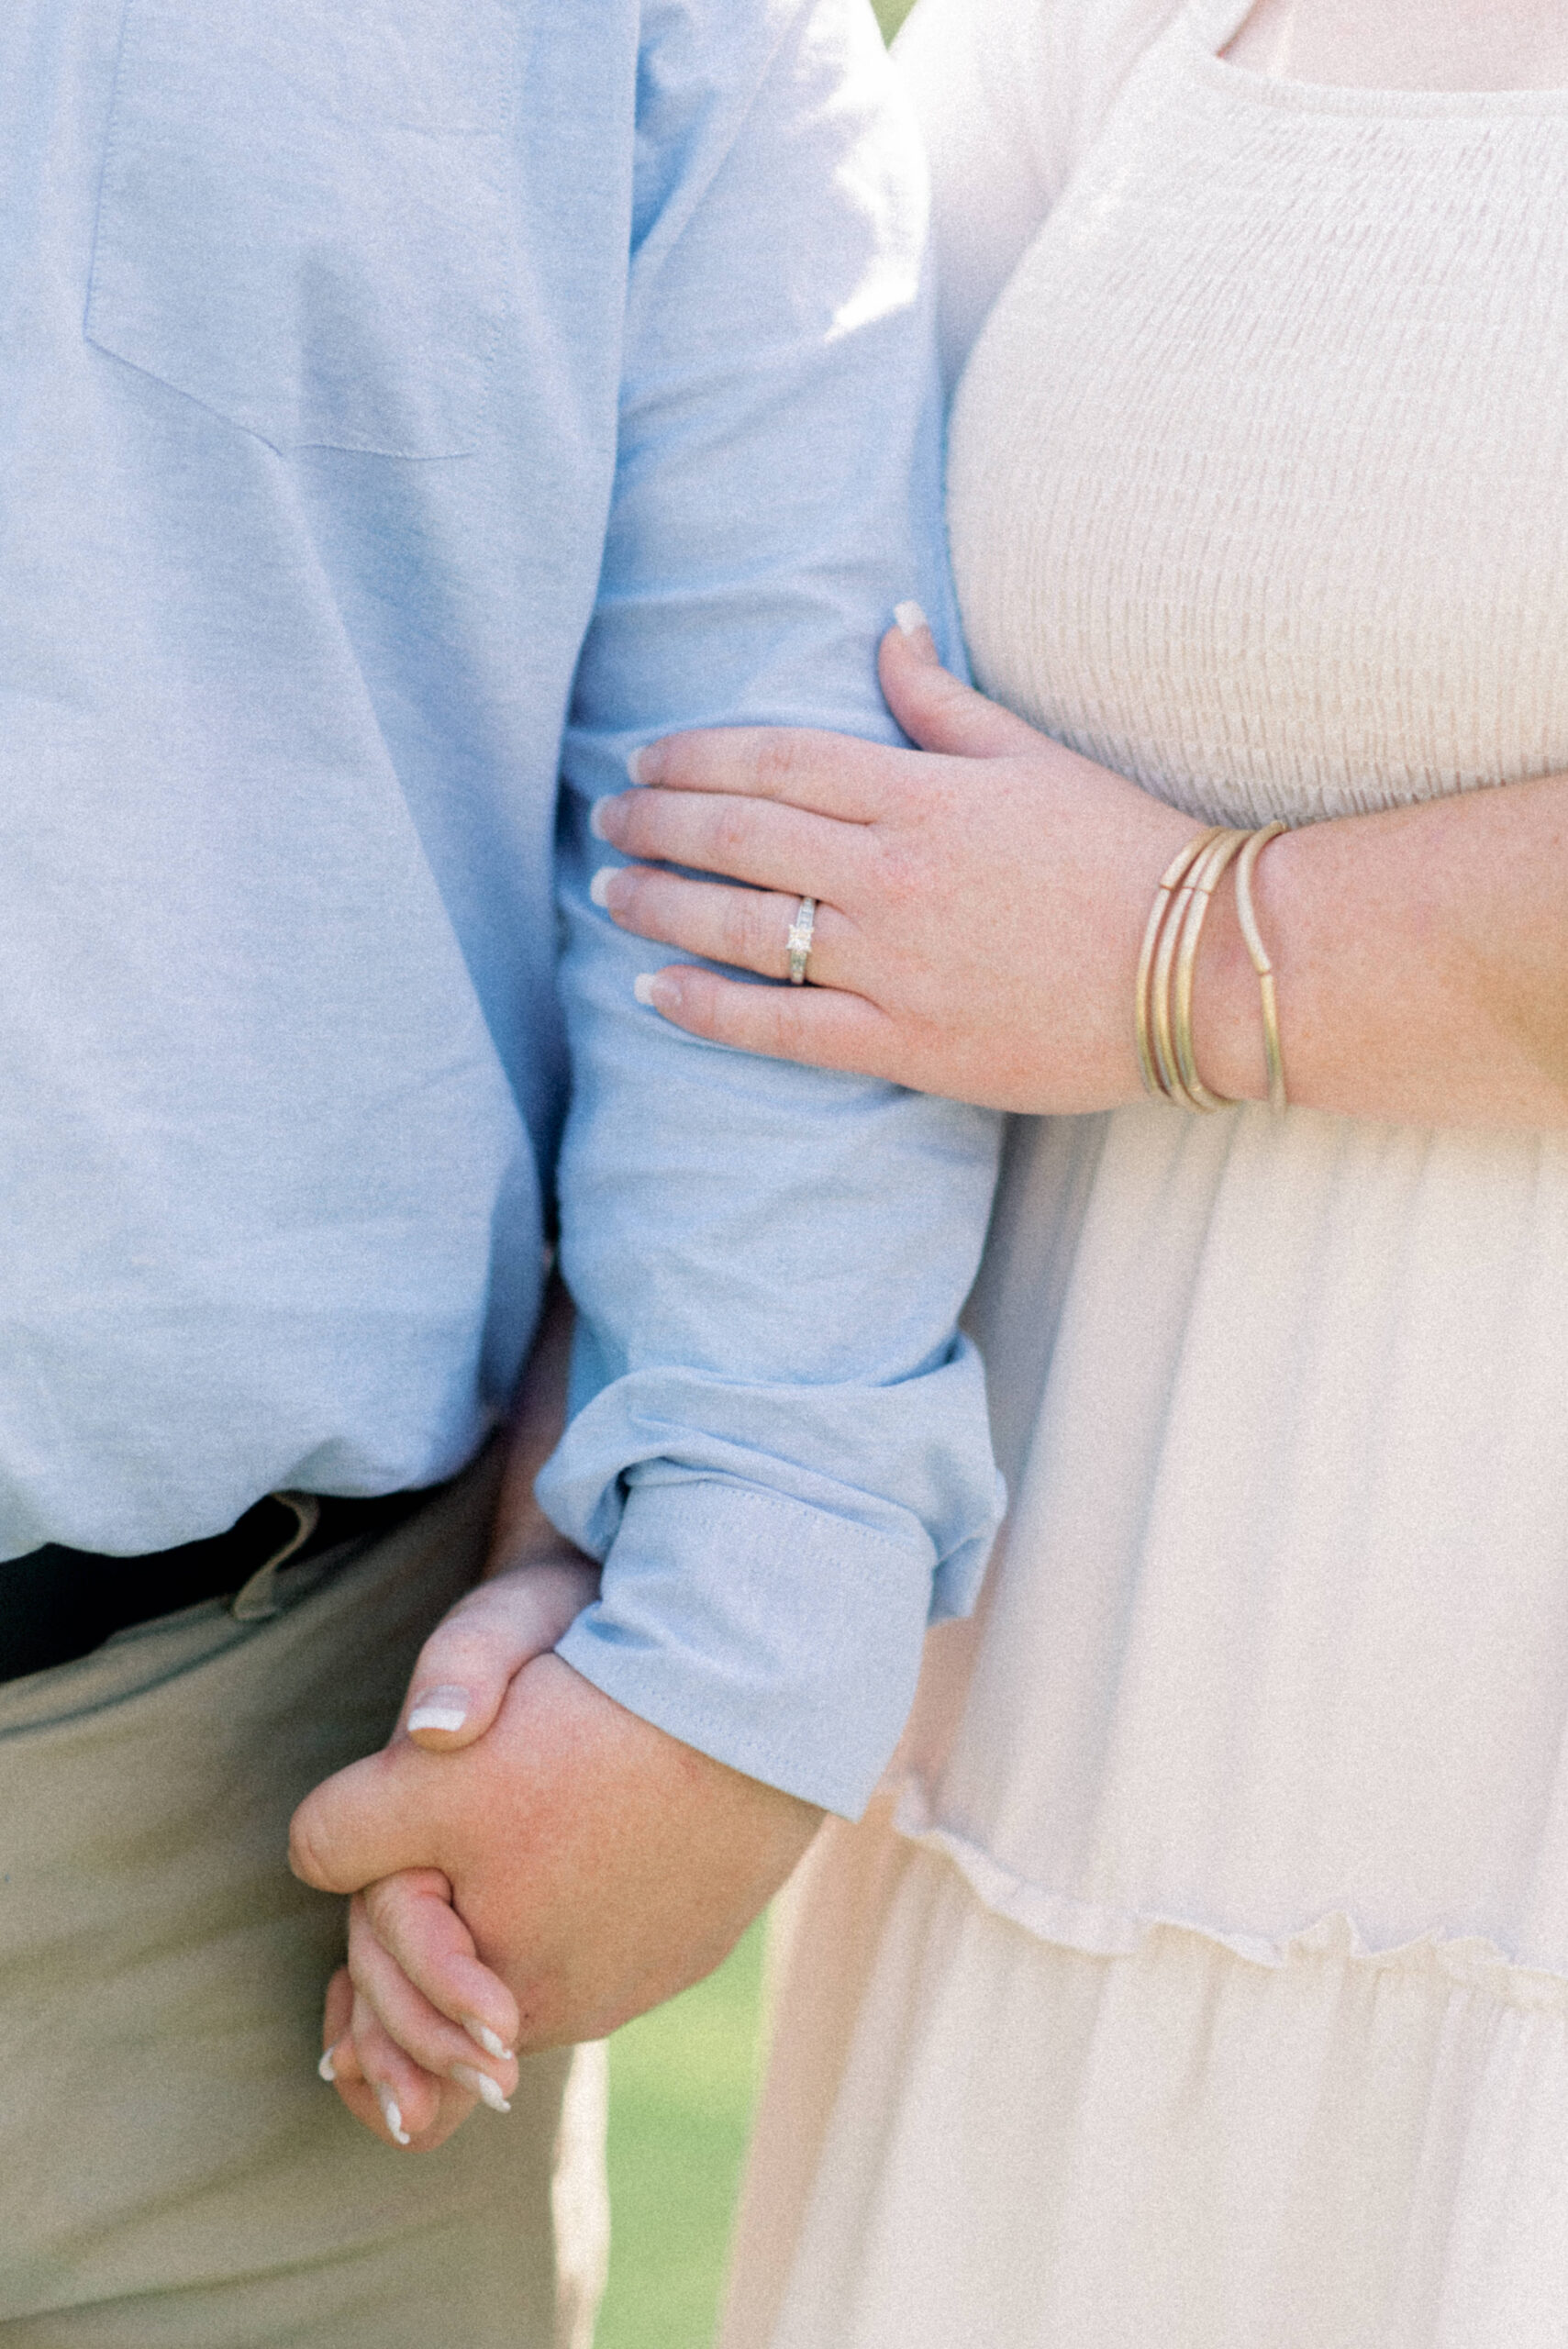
point(981, 900)
point(395, 2064)
point(569, 1869)
point(530, 1865)
point(416, 2029)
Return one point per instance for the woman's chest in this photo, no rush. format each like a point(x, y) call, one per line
point(1259, 474)
point(1407, 44)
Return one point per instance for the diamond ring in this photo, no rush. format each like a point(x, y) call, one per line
point(798, 942)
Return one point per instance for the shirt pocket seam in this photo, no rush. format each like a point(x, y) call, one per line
point(423, 295)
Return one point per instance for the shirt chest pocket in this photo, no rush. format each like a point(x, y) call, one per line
point(303, 221)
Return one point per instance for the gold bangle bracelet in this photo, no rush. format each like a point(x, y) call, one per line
point(1273, 1058)
point(1167, 965)
point(1204, 880)
point(1167, 1063)
point(1174, 874)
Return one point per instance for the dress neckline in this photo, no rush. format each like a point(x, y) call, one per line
point(1206, 28)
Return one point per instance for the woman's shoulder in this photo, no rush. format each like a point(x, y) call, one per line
point(1010, 95)
point(1044, 70)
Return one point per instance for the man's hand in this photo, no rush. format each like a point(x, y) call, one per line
point(458, 1687)
point(594, 1864)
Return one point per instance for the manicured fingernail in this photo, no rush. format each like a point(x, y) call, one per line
point(440, 1709)
point(480, 2084)
point(327, 2068)
point(483, 2036)
point(390, 2112)
point(637, 765)
point(911, 619)
point(599, 886)
point(648, 988)
point(596, 817)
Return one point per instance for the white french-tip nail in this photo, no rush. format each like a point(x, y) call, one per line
point(470, 2077)
point(392, 2113)
point(326, 2069)
point(642, 986)
point(911, 619)
point(634, 766)
point(440, 1709)
point(599, 886)
point(596, 819)
point(483, 2036)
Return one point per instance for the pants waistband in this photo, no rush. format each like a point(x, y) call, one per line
point(57, 1604)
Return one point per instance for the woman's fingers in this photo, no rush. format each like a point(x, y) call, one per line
point(746, 928)
point(437, 2048)
point(406, 2097)
point(820, 1025)
point(938, 710)
point(748, 840)
point(414, 2083)
point(337, 2058)
point(394, 2096)
point(833, 774)
point(400, 2099)
point(409, 1922)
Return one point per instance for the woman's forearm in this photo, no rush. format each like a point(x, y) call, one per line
point(981, 906)
point(1422, 961)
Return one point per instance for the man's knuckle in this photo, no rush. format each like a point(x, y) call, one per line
point(310, 1852)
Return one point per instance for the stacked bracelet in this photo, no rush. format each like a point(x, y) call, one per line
point(1168, 962)
point(1272, 1057)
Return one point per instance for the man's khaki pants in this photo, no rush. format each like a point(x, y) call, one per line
point(173, 2173)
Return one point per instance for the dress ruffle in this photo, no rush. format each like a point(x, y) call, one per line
point(1016, 2142)
point(1468, 1960)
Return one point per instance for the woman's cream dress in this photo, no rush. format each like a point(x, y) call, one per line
point(1202, 1982)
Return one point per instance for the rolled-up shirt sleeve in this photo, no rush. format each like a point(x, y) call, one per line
point(778, 1443)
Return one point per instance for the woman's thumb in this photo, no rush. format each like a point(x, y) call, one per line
point(469, 1662)
point(935, 708)
point(461, 1681)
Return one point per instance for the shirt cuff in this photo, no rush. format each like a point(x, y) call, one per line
point(767, 1633)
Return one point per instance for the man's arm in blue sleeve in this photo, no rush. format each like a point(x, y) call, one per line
point(779, 1443)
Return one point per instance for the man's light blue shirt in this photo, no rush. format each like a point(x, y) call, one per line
point(406, 404)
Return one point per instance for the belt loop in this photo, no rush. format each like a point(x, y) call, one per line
point(258, 1599)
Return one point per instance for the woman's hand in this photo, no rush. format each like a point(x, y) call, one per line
point(416, 2029)
point(595, 1865)
point(979, 912)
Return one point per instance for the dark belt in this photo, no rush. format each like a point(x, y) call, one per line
point(58, 1604)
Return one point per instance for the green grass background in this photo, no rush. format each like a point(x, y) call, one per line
point(681, 2082)
point(682, 2085)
